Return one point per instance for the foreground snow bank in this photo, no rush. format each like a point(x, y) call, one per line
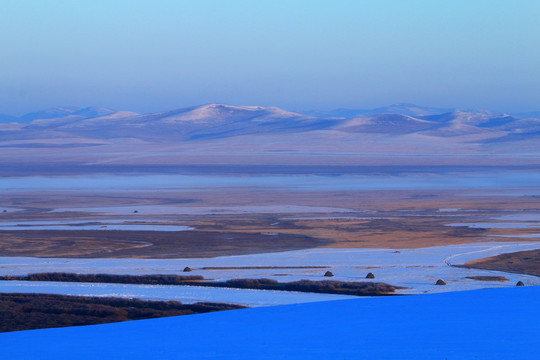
point(482, 324)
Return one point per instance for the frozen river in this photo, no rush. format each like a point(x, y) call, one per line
point(416, 269)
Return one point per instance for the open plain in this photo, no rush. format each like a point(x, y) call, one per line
point(288, 215)
point(232, 221)
point(419, 224)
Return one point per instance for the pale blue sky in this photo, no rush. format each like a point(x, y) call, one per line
point(157, 55)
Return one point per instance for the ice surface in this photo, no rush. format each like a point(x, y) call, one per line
point(417, 181)
point(519, 217)
point(523, 236)
point(500, 225)
point(484, 324)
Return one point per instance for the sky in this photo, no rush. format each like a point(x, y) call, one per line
point(149, 56)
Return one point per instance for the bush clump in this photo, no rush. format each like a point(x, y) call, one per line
point(323, 286)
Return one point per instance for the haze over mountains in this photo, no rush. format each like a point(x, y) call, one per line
point(225, 121)
point(229, 135)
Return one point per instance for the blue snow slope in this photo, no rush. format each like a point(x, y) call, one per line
point(482, 324)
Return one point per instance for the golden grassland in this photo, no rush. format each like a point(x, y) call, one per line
point(375, 219)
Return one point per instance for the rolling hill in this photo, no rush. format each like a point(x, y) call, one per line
point(229, 134)
point(224, 121)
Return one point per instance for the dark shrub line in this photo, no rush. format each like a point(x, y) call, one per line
point(160, 279)
point(488, 278)
point(322, 286)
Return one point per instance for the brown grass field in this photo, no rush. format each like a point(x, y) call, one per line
point(379, 219)
point(521, 262)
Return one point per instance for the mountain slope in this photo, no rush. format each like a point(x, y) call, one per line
point(207, 121)
point(392, 124)
point(399, 109)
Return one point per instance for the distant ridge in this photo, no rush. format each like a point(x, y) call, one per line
point(222, 121)
point(399, 109)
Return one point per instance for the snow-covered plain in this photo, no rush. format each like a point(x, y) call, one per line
point(415, 269)
point(484, 324)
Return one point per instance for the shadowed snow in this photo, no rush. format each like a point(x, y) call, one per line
point(485, 324)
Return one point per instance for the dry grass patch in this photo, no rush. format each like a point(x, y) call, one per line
point(521, 262)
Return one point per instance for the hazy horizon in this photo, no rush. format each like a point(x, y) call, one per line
point(300, 111)
point(148, 57)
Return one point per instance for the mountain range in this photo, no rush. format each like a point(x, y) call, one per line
point(219, 121)
point(246, 138)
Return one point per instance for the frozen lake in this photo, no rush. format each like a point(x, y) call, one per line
point(501, 225)
point(403, 181)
